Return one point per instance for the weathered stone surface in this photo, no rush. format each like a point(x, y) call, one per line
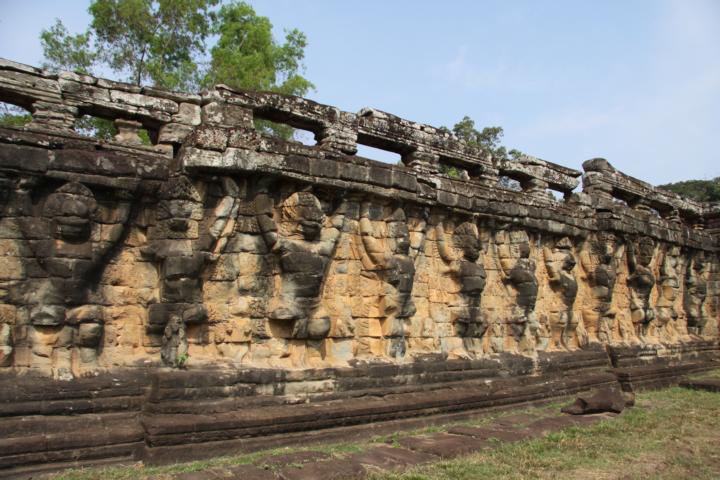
point(389, 458)
point(490, 434)
point(444, 445)
point(274, 289)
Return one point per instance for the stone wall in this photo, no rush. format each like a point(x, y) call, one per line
point(222, 245)
point(220, 289)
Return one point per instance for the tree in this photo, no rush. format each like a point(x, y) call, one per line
point(246, 56)
point(488, 141)
point(700, 190)
point(163, 43)
point(153, 41)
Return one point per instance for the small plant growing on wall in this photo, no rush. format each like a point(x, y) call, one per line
point(181, 361)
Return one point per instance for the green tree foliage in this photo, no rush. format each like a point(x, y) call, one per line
point(246, 56)
point(67, 52)
point(153, 41)
point(11, 116)
point(701, 190)
point(488, 139)
point(164, 43)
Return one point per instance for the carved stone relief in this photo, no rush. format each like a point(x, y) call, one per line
point(518, 272)
point(70, 238)
point(696, 290)
point(182, 242)
point(460, 255)
point(599, 258)
point(640, 255)
point(560, 264)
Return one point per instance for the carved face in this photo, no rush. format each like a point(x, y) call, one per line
point(304, 210)
point(563, 250)
point(604, 245)
point(398, 231)
point(177, 213)
point(467, 239)
point(180, 203)
point(71, 209)
point(645, 250)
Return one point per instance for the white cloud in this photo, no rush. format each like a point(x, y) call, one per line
point(464, 71)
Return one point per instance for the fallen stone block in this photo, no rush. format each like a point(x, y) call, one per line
point(605, 400)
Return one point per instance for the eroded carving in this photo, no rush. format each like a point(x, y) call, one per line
point(70, 245)
point(518, 272)
point(669, 290)
point(560, 264)
point(303, 248)
point(600, 259)
point(640, 254)
point(696, 290)
point(460, 255)
point(391, 263)
point(183, 242)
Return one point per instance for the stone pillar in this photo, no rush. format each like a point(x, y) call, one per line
point(53, 115)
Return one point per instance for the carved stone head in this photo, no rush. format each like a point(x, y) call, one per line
point(603, 245)
point(398, 231)
point(179, 203)
point(699, 261)
point(304, 212)
point(71, 209)
point(467, 239)
point(563, 248)
point(645, 250)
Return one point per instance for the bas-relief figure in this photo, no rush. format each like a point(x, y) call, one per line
point(182, 242)
point(696, 290)
point(70, 245)
point(518, 272)
point(669, 280)
point(392, 264)
point(460, 255)
point(8, 313)
point(640, 254)
point(296, 235)
point(560, 265)
point(600, 258)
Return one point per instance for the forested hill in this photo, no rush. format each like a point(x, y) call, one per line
point(702, 190)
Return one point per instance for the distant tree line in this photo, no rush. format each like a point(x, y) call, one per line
point(701, 190)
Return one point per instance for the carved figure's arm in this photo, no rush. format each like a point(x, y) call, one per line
point(265, 221)
point(225, 215)
point(444, 249)
point(373, 255)
point(586, 263)
point(419, 245)
point(551, 266)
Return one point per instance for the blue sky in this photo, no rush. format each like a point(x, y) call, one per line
point(634, 81)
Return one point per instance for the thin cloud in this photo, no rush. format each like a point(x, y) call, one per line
point(470, 74)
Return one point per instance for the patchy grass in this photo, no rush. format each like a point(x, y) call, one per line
point(671, 434)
